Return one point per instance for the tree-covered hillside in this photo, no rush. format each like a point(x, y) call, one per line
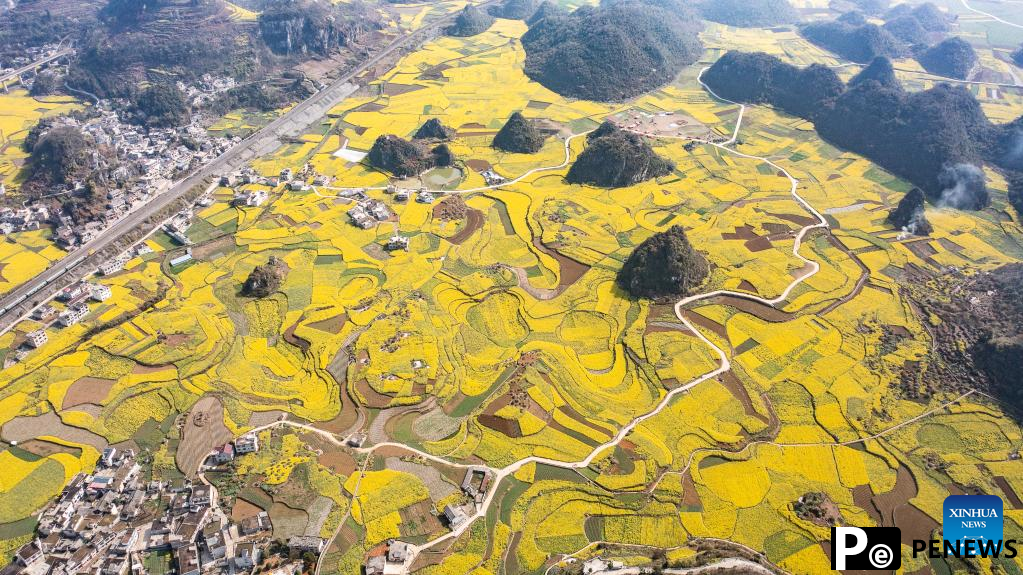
point(857, 42)
point(934, 138)
point(952, 58)
point(749, 13)
point(615, 158)
point(611, 52)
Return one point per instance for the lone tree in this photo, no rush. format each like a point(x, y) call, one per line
point(518, 135)
point(664, 265)
point(265, 279)
point(909, 214)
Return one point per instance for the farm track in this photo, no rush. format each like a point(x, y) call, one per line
point(810, 268)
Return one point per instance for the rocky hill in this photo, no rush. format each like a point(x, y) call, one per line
point(761, 78)
point(615, 158)
point(909, 214)
point(929, 16)
point(471, 20)
point(41, 22)
point(404, 158)
point(516, 9)
point(857, 42)
point(313, 27)
point(907, 29)
point(665, 265)
point(1017, 56)
point(265, 279)
point(546, 9)
point(952, 58)
point(433, 129)
point(161, 106)
point(934, 138)
point(519, 135)
point(612, 52)
point(978, 342)
point(749, 13)
point(880, 71)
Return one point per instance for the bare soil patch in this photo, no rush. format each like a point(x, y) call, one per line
point(337, 461)
point(44, 448)
point(474, 221)
point(243, 509)
point(87, 390)
point(330, 325)
point(24, 428)
point(203, 431)
point(478, 165)
point(391, 89)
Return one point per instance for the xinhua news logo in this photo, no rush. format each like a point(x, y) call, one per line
point(971, 526)
point(866, 548)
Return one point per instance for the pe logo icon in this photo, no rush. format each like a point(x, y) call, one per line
point(972, 517)
point(866, 548)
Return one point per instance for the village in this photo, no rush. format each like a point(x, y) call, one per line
point(113, 521)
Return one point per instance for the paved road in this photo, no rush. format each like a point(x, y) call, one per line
point(17, 303)
point(34, 65)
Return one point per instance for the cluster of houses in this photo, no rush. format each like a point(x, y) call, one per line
point(22, 219)
point(112, 522)
point(226, 453)
point(206, 89)
point(148, 160)
point(368, 212)
point(76, 299)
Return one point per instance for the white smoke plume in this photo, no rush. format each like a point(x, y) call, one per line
point(963, 187)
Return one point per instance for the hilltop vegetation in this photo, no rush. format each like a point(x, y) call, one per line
point(404, 158)
point(664, 265)
point(615, 158)
point(749, 13)
point(265, 279)
point(1015, 180)
point(908, 29)
point(952, 58)
point(612, 52)
point(62, 155)
point(909, 214)
point(518, 135)
point(1017, 56)
point(929, 16)
point(433, 129)
point(856, 41)
point(516, 9)
point(761, 78)
point(880, 71)
point(546, 9)
point(162, 106)
point(471, 20)
point(935, 138)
